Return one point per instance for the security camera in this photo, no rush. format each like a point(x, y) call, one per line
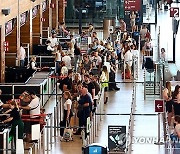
point(6, 11)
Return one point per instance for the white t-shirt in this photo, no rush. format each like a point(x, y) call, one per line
point(64, 71)
point(128, 58)
point(66, 103)
point(73, 41)
point(67, 61)
point(54, 41)
point(35, 106)
point(50, 48)
point(58, 56)
point(96, 61)
point(1, 103)
point(21, 54)
point(33, 65)
point(143, 32)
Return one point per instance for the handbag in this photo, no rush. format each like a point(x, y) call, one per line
point(68, 132)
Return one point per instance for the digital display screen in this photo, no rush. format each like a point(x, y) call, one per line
point(44, 6)
point(34, 12)
point(95, 150)
point(23, 18)
point(99, 4)
point(8, 27)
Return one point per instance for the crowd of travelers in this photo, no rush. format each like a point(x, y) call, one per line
point(81, 76)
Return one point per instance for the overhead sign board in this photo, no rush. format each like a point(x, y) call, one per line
point(132, 5)
point(174, 12)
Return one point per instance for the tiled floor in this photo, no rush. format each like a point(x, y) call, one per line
point(120, 103)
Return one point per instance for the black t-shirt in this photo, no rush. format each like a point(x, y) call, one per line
point(66, 81)
point(77, 51)
point(15, 114)
point(90, 87)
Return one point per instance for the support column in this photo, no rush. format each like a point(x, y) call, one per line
point(61, 11)
point(30, 30)
point(18, 27)
point(106, 24)
point(2, 54)
point(50, 15)
point(40, 20)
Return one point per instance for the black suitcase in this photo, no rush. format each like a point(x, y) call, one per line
point(165, 7)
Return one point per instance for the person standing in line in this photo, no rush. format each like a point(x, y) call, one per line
point(77, 56)
point(67, 112)
point(133, 20)
point(21, 55)
point(105, 78)
point(167, 96)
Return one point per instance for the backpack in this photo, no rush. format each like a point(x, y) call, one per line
point(97, 87)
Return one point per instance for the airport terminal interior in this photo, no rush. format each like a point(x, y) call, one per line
point(89, 77)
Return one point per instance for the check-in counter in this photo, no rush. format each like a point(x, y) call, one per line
point(42, 86)
point(51, 80)
point(40, 82)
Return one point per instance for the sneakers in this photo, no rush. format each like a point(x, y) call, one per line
point(117, 88)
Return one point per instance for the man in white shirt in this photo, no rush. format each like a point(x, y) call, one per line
point(21, 55)
point(53, 40)
point(34, 108)
point(34, 105)
point(72, 39)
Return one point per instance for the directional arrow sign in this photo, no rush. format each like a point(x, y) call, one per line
point(159, 105)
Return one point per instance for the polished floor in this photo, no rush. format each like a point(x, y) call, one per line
point(145, 126)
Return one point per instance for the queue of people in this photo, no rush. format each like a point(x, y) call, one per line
point(172, 105)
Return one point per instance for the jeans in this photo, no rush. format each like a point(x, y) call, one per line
point(76, 60)
point(21, 63)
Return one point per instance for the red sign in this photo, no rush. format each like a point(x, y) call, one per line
point(174, 12)
point(159, 105)
point(6, 46)
point(52, 5)
point(43, 19)
point(132, 5)
point(65, 3)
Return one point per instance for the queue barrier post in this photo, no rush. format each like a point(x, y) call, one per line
point(57, 116)
point(51, 130)
point(55, 123)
